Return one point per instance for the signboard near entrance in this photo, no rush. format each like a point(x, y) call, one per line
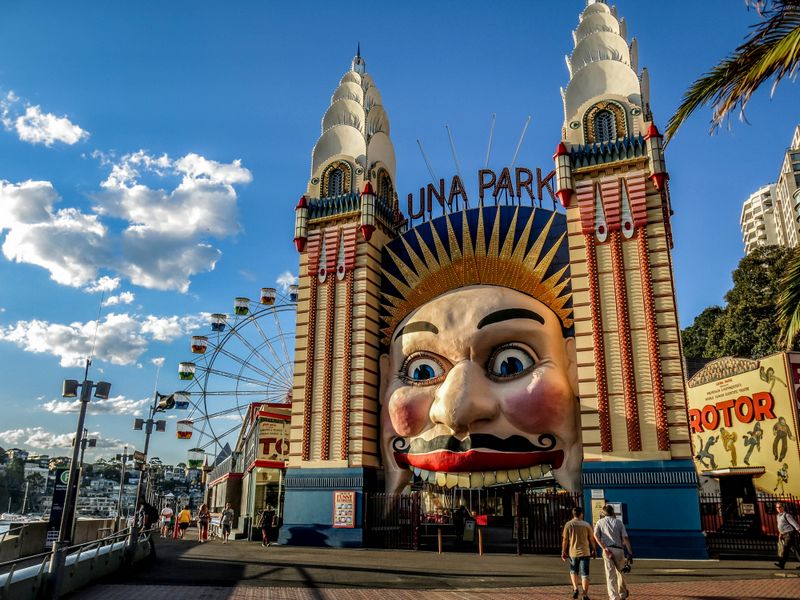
point(344, 509)
point(743, 420)
point(59, 497)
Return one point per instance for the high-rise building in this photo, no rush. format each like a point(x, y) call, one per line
point(771, 215)
point(759, 221)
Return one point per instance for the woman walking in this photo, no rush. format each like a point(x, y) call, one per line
point(203, 517)
point(184, 518)
point(265, 522)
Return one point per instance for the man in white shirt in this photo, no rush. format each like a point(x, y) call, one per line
point(788, 530)
point(166, 520)
point(613, 539)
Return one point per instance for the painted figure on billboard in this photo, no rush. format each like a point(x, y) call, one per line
point(752, 441)
point(705, 452)
point(479, 381)
point(729, 443)
point(781, 432)
point(783, 479)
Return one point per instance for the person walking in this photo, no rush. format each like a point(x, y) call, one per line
point(613, 539)
point(166, 520)
point(184, 518)
point(265, 522)
point(226, 520)
point(203, 518)
point(788, 532)
point(578, 544)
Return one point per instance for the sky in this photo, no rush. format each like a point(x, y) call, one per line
point(151, 155)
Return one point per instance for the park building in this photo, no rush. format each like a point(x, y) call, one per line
point(771, 215)
point(759, 221)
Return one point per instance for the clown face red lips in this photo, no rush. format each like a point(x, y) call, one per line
point(477, 452)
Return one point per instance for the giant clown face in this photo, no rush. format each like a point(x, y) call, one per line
point(480, 387)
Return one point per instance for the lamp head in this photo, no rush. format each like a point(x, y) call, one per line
point(69, 389)
point(102, 390)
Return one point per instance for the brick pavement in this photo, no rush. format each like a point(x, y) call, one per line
point(754, 589)
point(244, 571)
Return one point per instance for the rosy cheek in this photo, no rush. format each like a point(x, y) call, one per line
point(409, 409)
point(542, 404)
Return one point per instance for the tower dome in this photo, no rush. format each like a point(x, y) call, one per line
point(606, 98)
point(354, 145)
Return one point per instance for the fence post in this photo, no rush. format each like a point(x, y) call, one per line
point(415, 520)
point(518, 519)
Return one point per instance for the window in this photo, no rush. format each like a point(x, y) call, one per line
point(384, 187)
point(336, 182)
point(604, 127)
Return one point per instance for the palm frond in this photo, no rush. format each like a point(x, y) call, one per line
point(788, 302)
point(771, 50)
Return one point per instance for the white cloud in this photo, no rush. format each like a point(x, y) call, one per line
point(286, 279)
point(122, 298)
point(121, 338)
point(41, 439)
point(104, 284)
point(119, 405)
point(159, 362)
point(37, 127)
point(166, 234)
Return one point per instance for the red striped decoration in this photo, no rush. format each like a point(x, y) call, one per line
point(585, 193)
point(637, 196)
point(350, 235)
point(312, 246)
point(610, 196)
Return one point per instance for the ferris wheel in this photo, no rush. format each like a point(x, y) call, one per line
point(240, 359)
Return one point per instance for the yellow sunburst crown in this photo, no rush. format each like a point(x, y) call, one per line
point(525, 251)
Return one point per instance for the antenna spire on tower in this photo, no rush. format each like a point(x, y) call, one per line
point(358, 50)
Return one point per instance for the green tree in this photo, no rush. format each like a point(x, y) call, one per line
point(746, 326)
point(771, 51)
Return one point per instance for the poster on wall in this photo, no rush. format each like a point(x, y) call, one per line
point(344, 509)
point(273, 438)
point(743, 417)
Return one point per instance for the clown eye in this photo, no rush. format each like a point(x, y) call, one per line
point(421, 369)
point(509, 362)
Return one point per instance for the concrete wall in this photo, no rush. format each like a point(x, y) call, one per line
point(31, 538)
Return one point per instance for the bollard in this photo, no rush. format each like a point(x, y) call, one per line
point(439, 538)
point(480, 541)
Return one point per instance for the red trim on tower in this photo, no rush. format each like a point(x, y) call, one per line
point(368, 189)
point(269, 464)
point(652, 131)
point(344, 451)
point(656, 375)
point(327, 382)
point(350, 235)
point(625, 344)
point(598, 345)
point(331, 249)
point(308, 382)
point(565, 197)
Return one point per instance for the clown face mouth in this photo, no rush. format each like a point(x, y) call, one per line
point(446, 460)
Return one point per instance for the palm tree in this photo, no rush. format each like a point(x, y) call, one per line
point(770, 51)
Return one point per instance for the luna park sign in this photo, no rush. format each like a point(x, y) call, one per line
point(520, 185)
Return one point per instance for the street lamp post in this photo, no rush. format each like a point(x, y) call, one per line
point(124, 458)
point(161, 403)
point(65, 532)
point(84, 442)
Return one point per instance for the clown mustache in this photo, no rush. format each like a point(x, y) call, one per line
point(475, 441)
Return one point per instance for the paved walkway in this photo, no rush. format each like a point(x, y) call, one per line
point(244, 570)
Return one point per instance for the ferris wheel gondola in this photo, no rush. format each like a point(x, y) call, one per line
point(241, 359)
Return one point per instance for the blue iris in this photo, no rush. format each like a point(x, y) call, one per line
point(423, 372)
point(511, 366)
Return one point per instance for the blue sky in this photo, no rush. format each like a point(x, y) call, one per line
point(156, 150)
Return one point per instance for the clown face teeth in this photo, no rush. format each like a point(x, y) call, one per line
point(476, 480)
point(423, 474)
point(513, 475)
point(464, 480)
point(502, 476)
point(489, 478)
point(525, 474)
point(451, 480)
point(441, 479)
point(416, 471)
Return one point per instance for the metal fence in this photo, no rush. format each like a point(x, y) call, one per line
point(392, 521)
point(540, 519)
point(739, 526)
